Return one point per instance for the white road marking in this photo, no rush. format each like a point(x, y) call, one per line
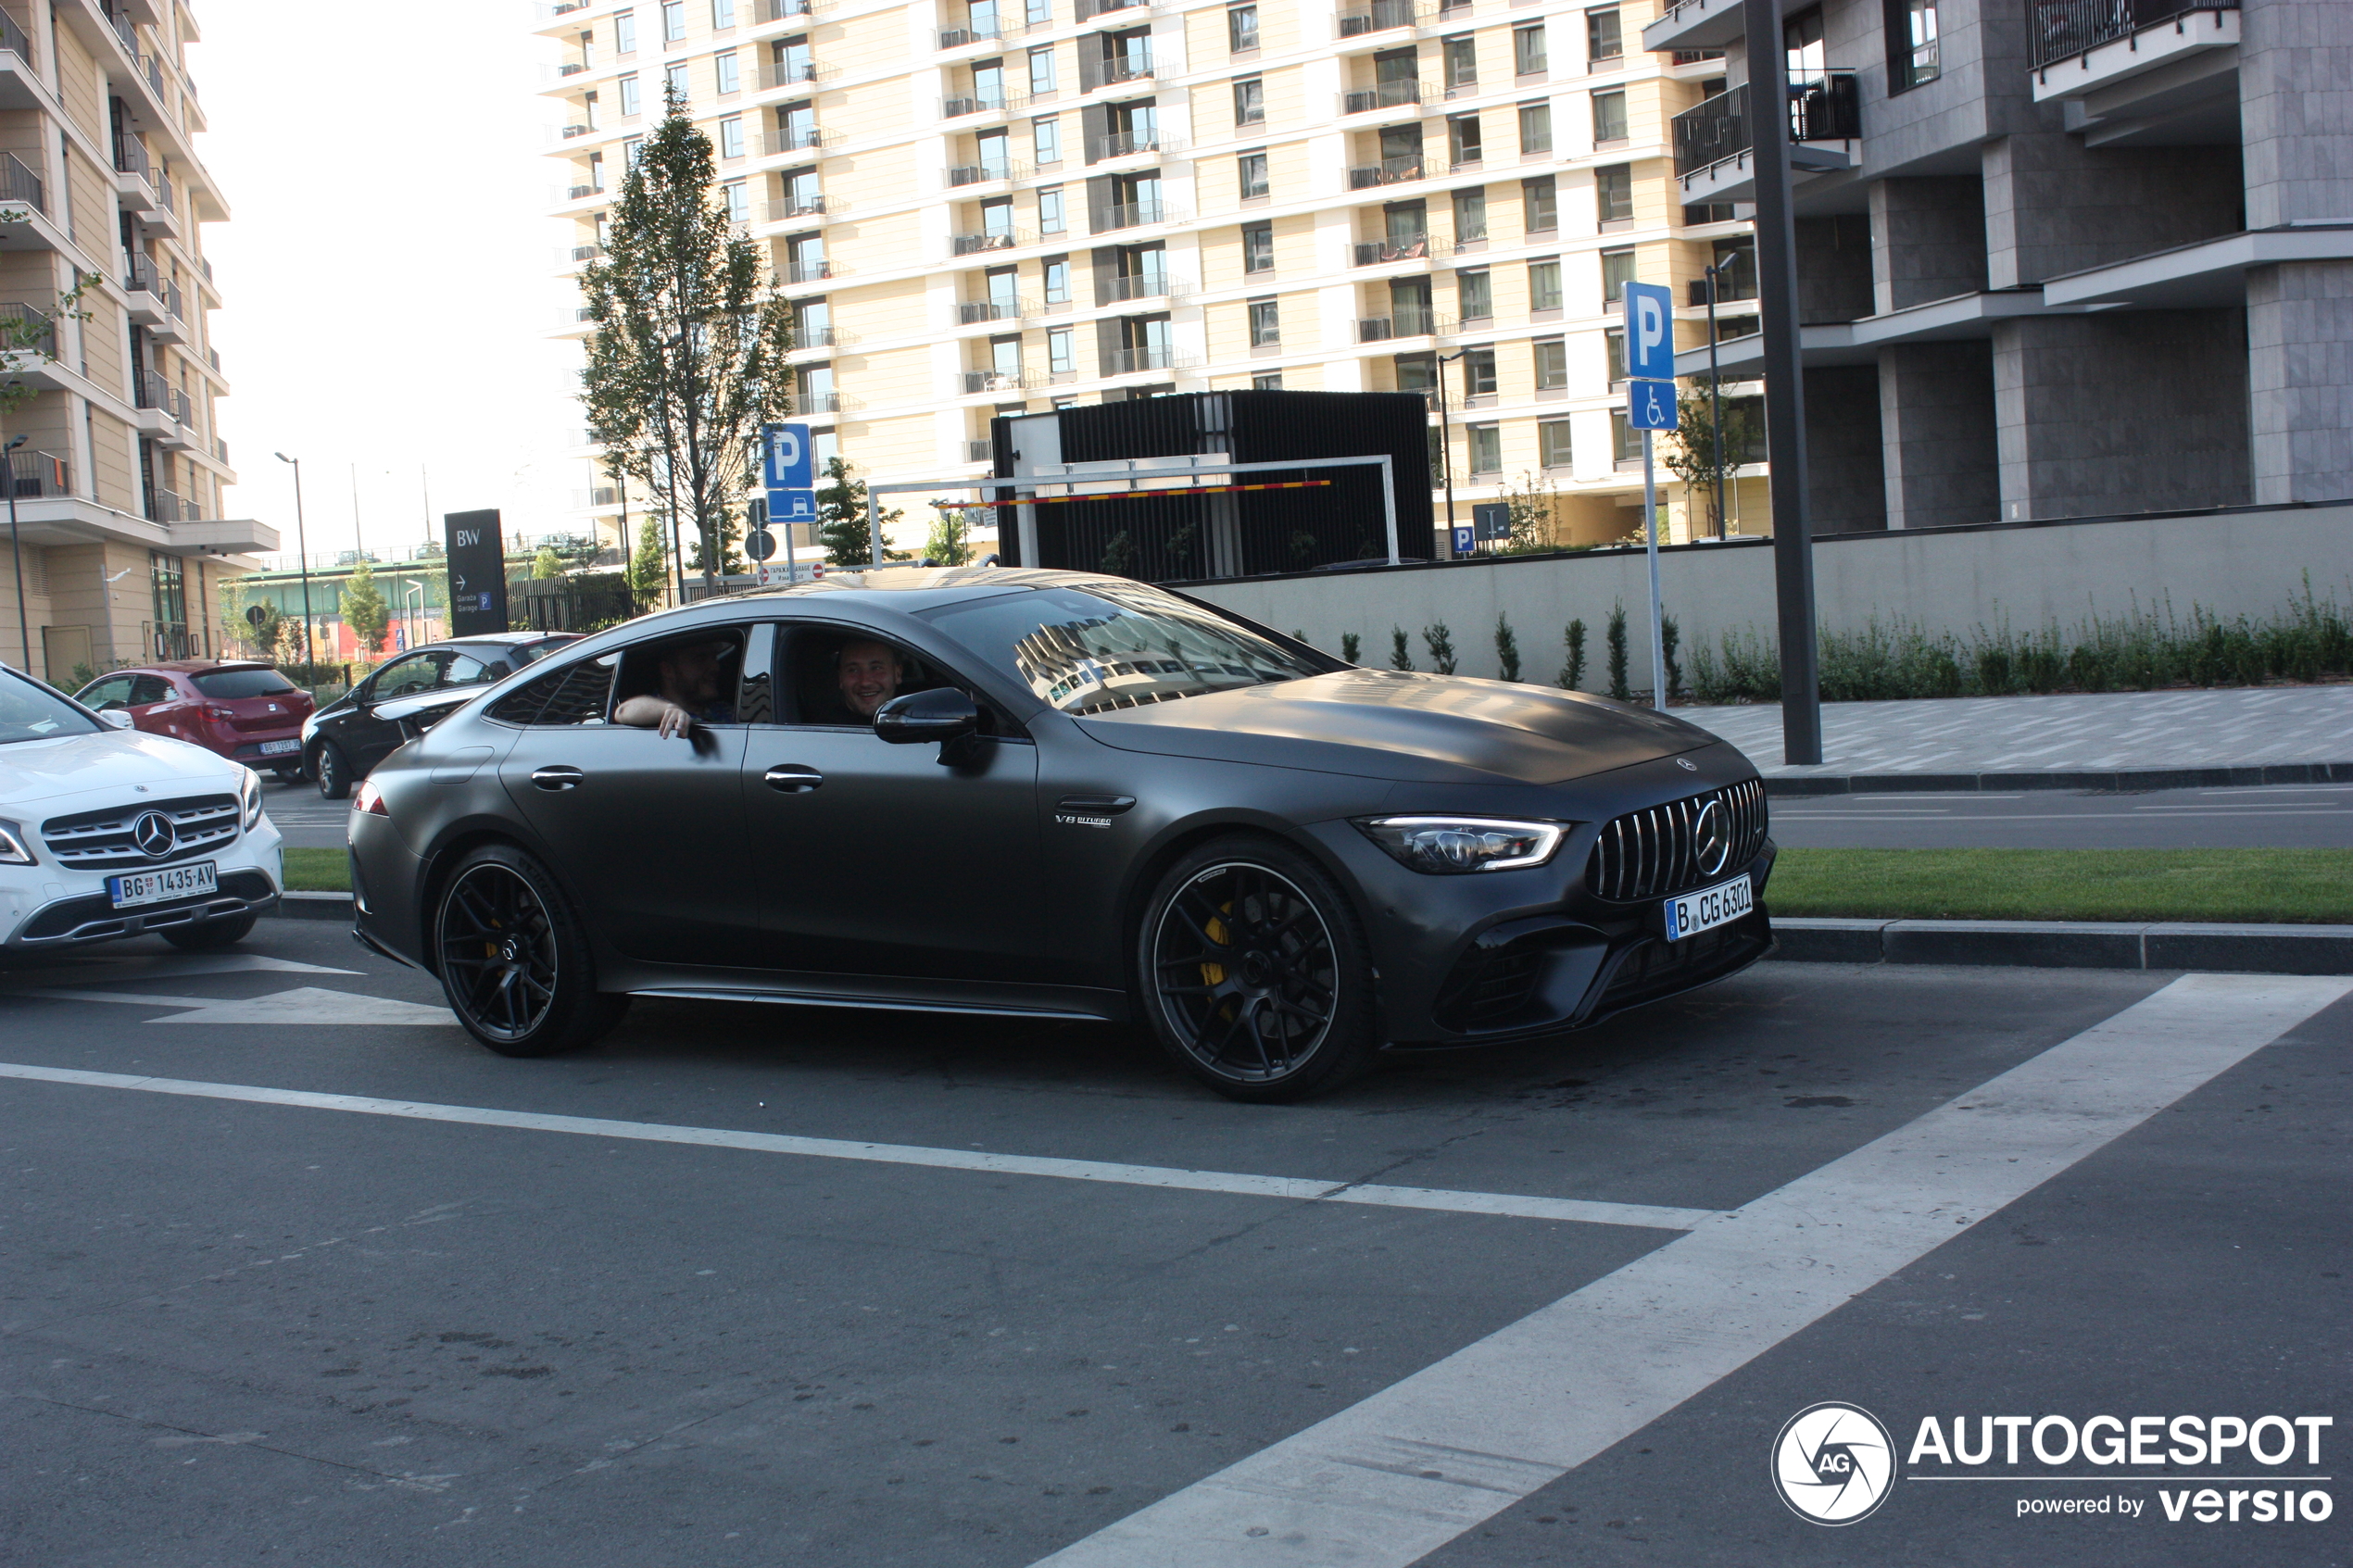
point(1295, 1188)
point(306, 1004)
point(172, 965)
point(1387, 1481)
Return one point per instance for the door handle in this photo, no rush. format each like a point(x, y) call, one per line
point(791, 778)
point(557, 778)
point(1096, 804)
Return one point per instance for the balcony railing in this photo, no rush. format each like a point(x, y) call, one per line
point(979, 32)
point(1824, 108)
point(139, 274)
point(165, 506)
point(981, 451)
point(807, 271)
point(1130, 215)
point(572, 131)
point(36, 474)
point(1373, 253)
point(12, 38)
point(582, 192)
point(1379, 17)
point(990, 239)
point(1402, 323)
point(817, 403)
point(18, 183)
point(784, 73)
point(1387, 171)
point(1094, 73)
point(587, 252)
point(1126, 143)
point(778, 10)
point(131, 158)
point(1088, 10)
point(796, 140)
point(28, 330)
point(1693, 57)
point(1141, 285)
point(572, 67)
point(2066, 27)
point(973, 310)
point(1740, 285)
point(1383, 96)
point(995, 381)
point(981, 173)
point(817, 337)
point(1001, 103)
point(783, 208)
point(149, 389)
point(1128, 362)
point(163, 193)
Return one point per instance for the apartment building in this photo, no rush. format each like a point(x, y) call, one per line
point(996, 206)
point(2057, 257)
point(117, 486)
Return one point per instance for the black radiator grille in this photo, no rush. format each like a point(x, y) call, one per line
point(104, 840)
point(1653, 852)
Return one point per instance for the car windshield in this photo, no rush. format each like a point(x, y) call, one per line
point(27, 712)
point(1116, 645)
point(525, 653)
point(228, 683)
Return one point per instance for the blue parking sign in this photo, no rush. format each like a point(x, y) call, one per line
point(1650, 404)
point(792, 506)
point(788, 462)
point(1650, 331)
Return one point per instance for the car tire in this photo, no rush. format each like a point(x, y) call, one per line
point(514, 959)
point(334, 773)
point(1254, 973)
point(211, 935)
point(288, 775)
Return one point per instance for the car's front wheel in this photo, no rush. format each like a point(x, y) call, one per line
point(1255, 973)
point(514, 961)
point(335, 772)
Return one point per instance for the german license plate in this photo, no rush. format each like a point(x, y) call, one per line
point(1709, 907)
point(173, 881)
point(279, 747)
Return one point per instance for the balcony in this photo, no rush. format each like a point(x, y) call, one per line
point(973, 311)
point(984, 173)
point(1130, 361)
point(149, 389)
point(807, 271)
point(1741, 284)
point(28, 330)
point(165, 506)
point(1126, 143)
point(587, 252)
point(995, 381)
point(798, 139)
point(1383, 96)
point(818, 337)
point(1131, 215)
point(572, 131)
point(1000, 104)
point(2062, 28)
point(1095, 73)
point(12, 38)
point(784, 207)
point(984, 33)
point(1140, 286)
point(1380, 17)
point(817, 403)
point(1824, 108)
point(1375, 253)
point(21, 185)
point(790, 73)
point(1387, 171)
point(33, 475)
point(988, 240)
point(1088, 10)
point(1403, 323)
point(582, 192)
point(572, 67)
point(981, 451)
point(778, 10)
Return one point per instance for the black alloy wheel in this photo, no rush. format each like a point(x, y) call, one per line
point(514, 963)
point(1255, 973)
point(335, 772)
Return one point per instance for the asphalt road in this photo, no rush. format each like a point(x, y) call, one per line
point(1040, 1294)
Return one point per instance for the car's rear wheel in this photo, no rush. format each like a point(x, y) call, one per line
point(513, 960)
point(211, 935)
point(335, 772)
point(1255, 973)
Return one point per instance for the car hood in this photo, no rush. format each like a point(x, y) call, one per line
point(1397, 725)
point(41, 769)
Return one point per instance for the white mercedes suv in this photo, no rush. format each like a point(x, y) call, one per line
point(105, 832)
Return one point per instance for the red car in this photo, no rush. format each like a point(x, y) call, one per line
point(240, 709)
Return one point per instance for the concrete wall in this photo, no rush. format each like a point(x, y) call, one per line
point(2248, 563)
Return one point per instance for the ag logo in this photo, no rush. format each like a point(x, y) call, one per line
point(1833, 1464)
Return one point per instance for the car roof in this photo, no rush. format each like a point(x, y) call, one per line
point(197, 666)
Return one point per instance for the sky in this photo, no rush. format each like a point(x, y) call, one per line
point(387, 271)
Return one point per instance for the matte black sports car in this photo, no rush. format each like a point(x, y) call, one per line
point(345, 739)
point(1048, 793)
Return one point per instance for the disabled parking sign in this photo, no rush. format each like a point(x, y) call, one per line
point(1650, 404)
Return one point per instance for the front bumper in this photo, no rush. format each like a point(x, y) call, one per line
point(44, 908)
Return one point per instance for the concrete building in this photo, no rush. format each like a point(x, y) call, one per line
point(117, 487)
point(986, 207)
point(2058, 259)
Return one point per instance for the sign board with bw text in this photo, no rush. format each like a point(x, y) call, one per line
point(477, 573)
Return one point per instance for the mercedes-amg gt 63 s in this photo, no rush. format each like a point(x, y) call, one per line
point(1055, 795)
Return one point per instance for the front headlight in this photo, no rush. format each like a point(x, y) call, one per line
point(13, 851)
point(1449, 846)
point(249, 797)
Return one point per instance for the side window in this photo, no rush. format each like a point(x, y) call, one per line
point(113, 692)
point(464, 671)
point(577, 693)
point(700, 671)
point(145, 689)
point(836, 677)
point(415, 673)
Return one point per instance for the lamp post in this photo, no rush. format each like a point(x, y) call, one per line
point(15, 554)
point(302, 545)
point(1715, 399)
point(409, 586)
point(1446, 443)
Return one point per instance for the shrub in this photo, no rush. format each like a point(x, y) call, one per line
point(1441, 642)
point(1507, 650)
point(1617, 636)
point(1573, 669)
point(1400, 657)
point(1349, 646)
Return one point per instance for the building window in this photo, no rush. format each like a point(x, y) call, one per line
point(1545, 285)
point(1617, 271)
point(1465, 146)
point(1267, 380)
point(1527, 50)
point(1056, 272)
point(813, 323)
point(1602, 41)
point(739, 199)
point(1609, 118)
point(1471, 215)
point(1005, 356)
point(673, 21)
point(1613, 346)
point(1038, 13)
point(1242, 29)
point(1486, 448)
point(1250, 102)
point(723, 72)
point(1051, 217)
point(1613, 193)
point(675, 81)
point(1540, 206)
point(1912, 42)
point(1265, 323)
point(723, 13)
point(1461, 63)
point(1046, 140)
point(624, 33)
point(1042, 72)
point(1258, 248)
point(628, 87)
point(731, 136)
point(1551, 364)
point(801, 194)
point(1625, 438)
point(1478, 372)
point(1062, 359)
point(1252, 169)
point(632, 149)
point(1552, 444)
point(1475, 294)
point(1535, 128)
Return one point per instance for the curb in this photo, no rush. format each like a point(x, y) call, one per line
point(2114, 780)
point(313, 906)
point(2035, 944)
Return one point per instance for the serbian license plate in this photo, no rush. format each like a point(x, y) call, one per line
point(1709, 907)
point(279, 748)
point(172, 882)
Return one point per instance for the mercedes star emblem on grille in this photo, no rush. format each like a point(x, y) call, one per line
point(1712, 837)
point(154, 833)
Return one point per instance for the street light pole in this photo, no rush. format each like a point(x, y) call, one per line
point(302, 559)
point(1446, 444)
point(1715, 401)
point(15, 554)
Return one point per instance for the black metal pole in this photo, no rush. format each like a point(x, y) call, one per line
point(1446, 451)
point(1784, 383)
point(1716, 404)
point(302, 559)
point(15, 557)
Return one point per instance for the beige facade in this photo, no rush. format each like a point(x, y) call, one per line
point(989, 208)
point(116, 485)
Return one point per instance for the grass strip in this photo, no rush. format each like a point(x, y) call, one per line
point(318, 871)
point(2236, 886)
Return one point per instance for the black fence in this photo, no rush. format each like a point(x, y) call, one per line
point(588, 602)
point(2064, 28)
point(1821, 108)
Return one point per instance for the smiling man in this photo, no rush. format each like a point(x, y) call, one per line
point(868, 674)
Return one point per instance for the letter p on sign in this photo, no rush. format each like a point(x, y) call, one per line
point(1650, 333)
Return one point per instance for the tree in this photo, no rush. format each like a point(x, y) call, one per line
point(1690, 453)
point(364, 609)
point(546, 564)
point(239, 597)
point(1441, 642)
point(1573, 668)
point(950, 541)
point(1615, 635)
point(841, 518)
point(1533, 506)
point(686, 360)
point(648, 573)
point(1507, 649)
point(1399, 657)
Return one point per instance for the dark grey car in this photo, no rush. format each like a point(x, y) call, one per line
point(344, 741)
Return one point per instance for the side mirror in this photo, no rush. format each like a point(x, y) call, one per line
point(943, 714)
point(117, 717)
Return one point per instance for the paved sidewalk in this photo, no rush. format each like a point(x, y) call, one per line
point(2281, 733)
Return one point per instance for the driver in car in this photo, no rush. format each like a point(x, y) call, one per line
point(868, 676)
point(694, 680)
